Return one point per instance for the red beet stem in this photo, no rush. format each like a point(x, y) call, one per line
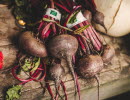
point(81, 44)
point(93, 41)
point(52, 4)
point(86, 35)
point(84, 32)
point(47, 34)
point(49, 89)
point(40, 26)
point(33, 76)
point(46, 28)
point(57, 94)
point(86, 45)
point(98, 36)
point(54, 28)
point(64, 88)
point(62, 7)
point(94, 36)
point(57, 87)
point(85, 42)
point(91, 36)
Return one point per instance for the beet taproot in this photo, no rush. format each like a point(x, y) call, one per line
point(31, 45)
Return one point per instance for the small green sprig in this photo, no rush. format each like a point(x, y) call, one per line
point(14, 92)
point(30, 64)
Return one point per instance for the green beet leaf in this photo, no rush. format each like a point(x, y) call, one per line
point(31, 65)
point(14, 92)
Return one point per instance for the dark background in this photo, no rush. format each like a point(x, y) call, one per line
point(124, 96)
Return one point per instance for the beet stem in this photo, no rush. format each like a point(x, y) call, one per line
point(81, 44)
point(64, 88)
point(49, 90)
point(54, 28)
point(97, 35)
point(62, 7)
point(92, 37)
point(85, 42)
point(94, 34)
point(57, 86)
point(52, 4)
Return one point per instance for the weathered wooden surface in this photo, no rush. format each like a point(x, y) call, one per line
point(8, 35)
point(8, 27)
point(114, 75)
point(9, 53)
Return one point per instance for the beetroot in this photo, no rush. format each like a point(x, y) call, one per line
point(99, 19)
point(90, 66)
point(56, 73)
point(88, 15)
point(64, 47)
point(108, 54)
point(31, 45)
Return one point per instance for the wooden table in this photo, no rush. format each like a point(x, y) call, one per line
point(114, 78)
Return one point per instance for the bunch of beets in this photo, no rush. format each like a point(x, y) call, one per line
point(64, 32)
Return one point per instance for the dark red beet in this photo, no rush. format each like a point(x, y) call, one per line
point(99, 19)
point(64, 47)
point(31, 45)
point(88, 15)
point(90, 66)
point(56, 73)
point(108, 54)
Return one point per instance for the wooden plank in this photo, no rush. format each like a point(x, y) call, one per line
point(5, 41)
point(111, 84)
point(8, 28)
point(106, 90)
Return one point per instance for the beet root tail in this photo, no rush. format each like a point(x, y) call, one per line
point(69, 62)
